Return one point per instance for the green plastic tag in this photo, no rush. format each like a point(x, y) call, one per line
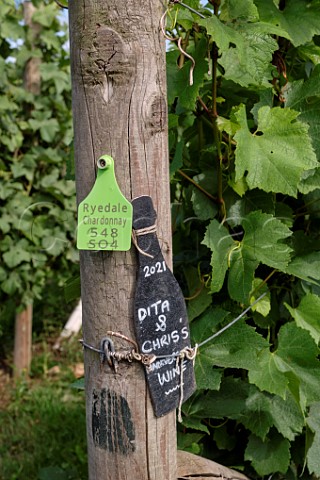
point(105, 215)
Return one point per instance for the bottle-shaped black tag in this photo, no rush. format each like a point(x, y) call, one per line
point(160, 316)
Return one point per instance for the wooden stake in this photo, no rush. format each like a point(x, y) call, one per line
point(23, 322)
point(119, 109)
point(23, 342)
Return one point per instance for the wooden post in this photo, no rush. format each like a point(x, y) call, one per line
point(22, 354)
point(23, 322)
point(119, 109)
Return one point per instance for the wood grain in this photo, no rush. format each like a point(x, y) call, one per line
point(192, 467)
point(119, 108)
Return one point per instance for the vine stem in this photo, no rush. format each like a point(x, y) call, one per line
point(216, 132)
point(214, 199)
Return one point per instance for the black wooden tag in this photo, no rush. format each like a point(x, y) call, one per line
point(160, 317)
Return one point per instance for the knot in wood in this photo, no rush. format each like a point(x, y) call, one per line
point(156, 114)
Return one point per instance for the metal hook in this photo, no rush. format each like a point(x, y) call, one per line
point(107, 351)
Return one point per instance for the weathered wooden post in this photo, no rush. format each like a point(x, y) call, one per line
point(119, 109)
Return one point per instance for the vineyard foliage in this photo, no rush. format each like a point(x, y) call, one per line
point(245, 183)
point(245, 151)
point(37, 202)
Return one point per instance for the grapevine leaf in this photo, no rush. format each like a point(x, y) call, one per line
point(300, 32)
point(264, 411)
point(230, 401)
point(178, 80)
point(310, 180)
point(237, 347)
point(16, 255)
point(207, 377)
point(233, 9)
point(177, 160)
point(262, 243)
point(272, 455)
point(306, 267)
point(293, 364)
point(203, 207)
point(263, 306)
point(258, 411)
point(286, 414)
point(310, 52)
point(267, 376)
point(313, 422)
point(246, 50)
point(199, 304)
point(263, 239)
point(275, 159)
point(195, 424)
point(254, 200)
point(304, 97)
point(255, 68)
point(306, 315)
point(207, 324)
point(12, 283)
point(223, 439)
point(219, 241)
point(222, 34)
point(241, 275)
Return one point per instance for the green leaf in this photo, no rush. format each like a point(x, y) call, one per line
point(253, 68)
point(307, 14)
point(198, 304)
point(267, 376)
point(263, 306)
point(237, 347)
point(72, 289)
point(219, 241)
point(246, 50)
point(45, 14)
point(195, 424)
point(230, 401)
point(293, 364)
point(275, 157)
point(189, 441)
point(207, 377)
point(203, 207)
point(179, 80)
point(223, 439)
point(313, 422)
point(177, 160)
point(262, 243)
point(264, 411)
point(48, 129)
point(306, 267)
point(233, 9)
point(304, 97)
point(307, 315)
point(61, 79)
point(270, 456)
point(5, 223)
point(12, 283)
point(15, 256)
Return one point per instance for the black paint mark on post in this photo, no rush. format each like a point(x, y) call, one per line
point(160, 316)
point(112, 427)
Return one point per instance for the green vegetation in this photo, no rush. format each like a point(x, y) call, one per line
point(245, 153)
point(37, 202)
point(42, 435)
